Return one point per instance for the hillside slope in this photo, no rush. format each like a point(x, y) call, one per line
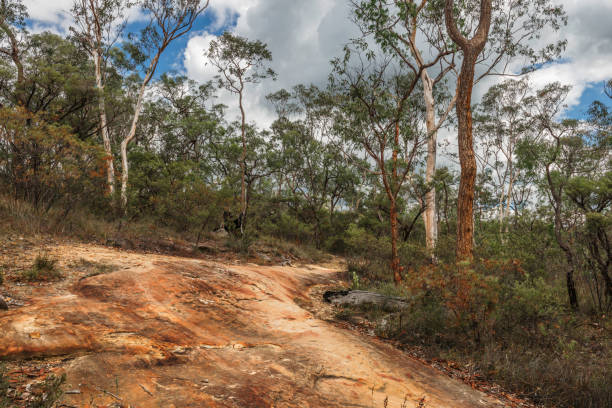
point(162, 331)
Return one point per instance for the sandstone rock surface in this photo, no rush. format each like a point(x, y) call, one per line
point(164, 331)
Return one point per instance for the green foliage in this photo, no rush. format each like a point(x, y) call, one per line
point(240, 60)
point(324, 176)
point(46, 164)
point(173, 193)
point(44, 268)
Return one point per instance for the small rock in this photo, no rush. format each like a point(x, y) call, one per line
point(3, 305)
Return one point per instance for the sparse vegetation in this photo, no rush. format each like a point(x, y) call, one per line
point(4, 387)
point(44, 268)
point(92, 268)
point(504, 255)
point(50, 392)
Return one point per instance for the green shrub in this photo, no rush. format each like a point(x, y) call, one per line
point(44, 268)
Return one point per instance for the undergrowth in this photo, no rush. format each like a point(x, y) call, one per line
point(44, 268)
point(515, 332)
point(4, 387)
point(50, 392)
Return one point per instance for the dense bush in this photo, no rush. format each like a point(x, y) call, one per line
point(507, 320)
point(46, 164)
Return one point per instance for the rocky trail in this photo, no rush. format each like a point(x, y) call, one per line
point(150, 330)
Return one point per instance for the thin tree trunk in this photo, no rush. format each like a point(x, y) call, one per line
point(509, 197)
point(430, 216)
point(104, 124)
point(569, 255)
point(243, 203)
point(500, 211)
point(395, 261)
point(132, 134)
point(124, 145)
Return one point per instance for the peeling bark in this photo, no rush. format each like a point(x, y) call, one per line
point(471, 49)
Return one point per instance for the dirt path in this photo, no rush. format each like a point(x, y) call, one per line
point(161, 331)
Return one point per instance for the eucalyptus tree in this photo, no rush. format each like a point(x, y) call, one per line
point(591, 193)
point(381, 118)
point(502, 120)
point(504, 31)
point(98, 26)
point(471, 48)
point(57, 82)
point(13, 35)
point(240, 62)
point(285, 106)
point(316, 175)
point(182, 120)
point(168, 21)
point(559, 154)
point(415, 31)
point(260, 162)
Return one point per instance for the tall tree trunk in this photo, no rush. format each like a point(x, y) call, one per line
point(395, 261)
point(501, 212)
point(110, 169)
point(569, 276)
point(471, 49)
point(124, 145)
point(509, 197)
point(132, 134)
point(243, 203)
point(430, 216)
point(392, 193)
point(467, 160)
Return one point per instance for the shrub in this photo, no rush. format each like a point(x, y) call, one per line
point(50, 392)
point(44, 163)
point(44, 268)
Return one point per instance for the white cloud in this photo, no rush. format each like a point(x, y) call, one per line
point(50, 15)
point(304, 35)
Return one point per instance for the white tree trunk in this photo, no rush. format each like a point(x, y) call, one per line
point(430, 216)
point(124, 145)
point(110, 169)
point(509, 195)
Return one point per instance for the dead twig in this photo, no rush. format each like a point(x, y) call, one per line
point(145, 390)
point(109, 393)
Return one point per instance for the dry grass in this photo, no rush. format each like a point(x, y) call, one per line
point(44, 268)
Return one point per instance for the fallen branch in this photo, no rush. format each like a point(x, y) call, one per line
point(362, 297)
point(145, 390)
point(109, 393)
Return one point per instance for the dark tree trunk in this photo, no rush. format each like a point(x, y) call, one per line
point(395, 261)
point(471, 49)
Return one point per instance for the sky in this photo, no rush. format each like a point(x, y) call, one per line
point(304, 35)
